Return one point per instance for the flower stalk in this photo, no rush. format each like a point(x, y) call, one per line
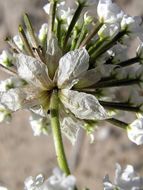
point(59, 148)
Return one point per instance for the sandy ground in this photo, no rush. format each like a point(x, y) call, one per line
point(22, 155)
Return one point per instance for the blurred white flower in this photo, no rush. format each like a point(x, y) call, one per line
point(5, 114)
point(60, 5)
point(131, 24)
point(32, 183)
point(43, 32)
point(6, 58)
point(135, 131)
point(40, 125)
point(58, 181)
point(108, 31)
point(126, 179)
point(13, 82)
point(109, 12)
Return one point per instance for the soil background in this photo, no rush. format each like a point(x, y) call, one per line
point(23, 155)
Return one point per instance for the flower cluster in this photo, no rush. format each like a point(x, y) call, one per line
point(58, 181)
point(126, 179)
point(83, 60)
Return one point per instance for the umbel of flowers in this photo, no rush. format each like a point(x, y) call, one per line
point(69, 73)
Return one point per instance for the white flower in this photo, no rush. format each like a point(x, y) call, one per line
point(35, 94)
point(126, 179)
point(58, 181)
point(18, 42)
point(43, 32)
point(135, 131)
point(40, 125)
point(5, 114)
point(109, 12)
point(66, 14)
point(6, 58)
point(60, 5)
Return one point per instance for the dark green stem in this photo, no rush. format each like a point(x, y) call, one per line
point(72, 24)
point(120, 106)
point(115, 83)
point(118, 123)
point(129, 62)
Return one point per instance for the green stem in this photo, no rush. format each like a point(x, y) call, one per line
point(59, 148)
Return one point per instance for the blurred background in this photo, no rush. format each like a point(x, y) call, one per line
point(22, 155)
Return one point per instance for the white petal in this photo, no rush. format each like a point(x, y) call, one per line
point(53, 54)
point(84, 106)
point(33, 71)
point(71, 66)
point(70, 125)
